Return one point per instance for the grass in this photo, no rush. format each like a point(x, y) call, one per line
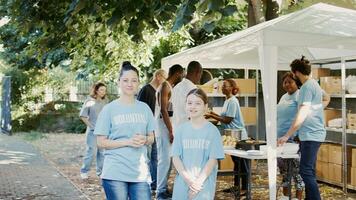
point(32, 135)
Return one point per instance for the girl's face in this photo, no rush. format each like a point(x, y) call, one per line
point(101, 92)
point(226, 88)
point(195, 106)
point(289, 85)
point(128, 83)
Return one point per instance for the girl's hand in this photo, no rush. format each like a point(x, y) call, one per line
point(138, 140)
point(192, 194)
point(197, 186)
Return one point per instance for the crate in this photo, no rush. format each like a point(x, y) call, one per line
point(331, 84)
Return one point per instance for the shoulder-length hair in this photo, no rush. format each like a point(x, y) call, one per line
point(95, 88)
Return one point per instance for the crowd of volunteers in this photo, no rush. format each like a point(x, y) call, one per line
point(137, 137)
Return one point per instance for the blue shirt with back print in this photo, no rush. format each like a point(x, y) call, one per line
point(312, 129)
point(119, 121)
point(195, 147)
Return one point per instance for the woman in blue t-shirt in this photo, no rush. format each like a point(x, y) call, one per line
point(231, 118)
point(125, 128)
point(287, 109)
point(196, 148)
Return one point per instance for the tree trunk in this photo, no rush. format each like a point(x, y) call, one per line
point(272, 9)
point(255, 12)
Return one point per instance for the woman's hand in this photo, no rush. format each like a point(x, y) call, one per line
point(282, 140)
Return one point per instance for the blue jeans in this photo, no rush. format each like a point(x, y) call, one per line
point(89, 154)
point(119, 190)
point(309, 151)
point(163, 157)
point(153, 164)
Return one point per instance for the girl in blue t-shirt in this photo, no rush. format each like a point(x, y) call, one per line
point(196, 148)
point(125, 128)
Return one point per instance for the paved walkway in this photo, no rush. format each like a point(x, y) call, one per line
point(25, 174)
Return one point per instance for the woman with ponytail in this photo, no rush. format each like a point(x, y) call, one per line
point(125, 129)
point(231, 118)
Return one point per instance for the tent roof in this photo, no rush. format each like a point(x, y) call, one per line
point(319, 31)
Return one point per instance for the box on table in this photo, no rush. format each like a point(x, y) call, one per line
point(249, 115)
point(323, 153)
point(353, 157)
point(331, 84)
point(320, 72)
point(330, 114)
point(322, 170)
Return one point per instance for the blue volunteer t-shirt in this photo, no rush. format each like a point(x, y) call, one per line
point(287, 109)
point(120, 122)
point(232, 109)
point(312, 128)
point(195, 147)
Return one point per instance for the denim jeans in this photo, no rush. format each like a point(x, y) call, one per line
point(89, 154)
point(309, 151)
point(153, 164)
point(163, 157)
point(119, 190)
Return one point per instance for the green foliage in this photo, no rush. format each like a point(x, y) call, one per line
point(33, 136)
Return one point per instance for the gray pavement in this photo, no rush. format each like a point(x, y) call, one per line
point(25, 174)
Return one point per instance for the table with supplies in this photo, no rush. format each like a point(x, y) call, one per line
point(249, 155)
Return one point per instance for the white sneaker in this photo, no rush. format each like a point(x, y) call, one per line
point(84, 175)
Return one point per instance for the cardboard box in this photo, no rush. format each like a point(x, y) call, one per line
point(331, 84)
point(249, 114)
point(320, 72)
point(351, 125)
point(330, 114)
point(322, 170)
point(353, 157)
point(353, 176)
point(226, 164)
point(335, 172)
point(351, 117)
point(247, 86)
point(335, 154)
point(323, 153)
point(206, 88)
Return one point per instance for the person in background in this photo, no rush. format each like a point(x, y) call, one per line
point(147, 94)
point(309, 122)
point(89, 114)
point(231, 118)
point(164, 131)
point(286, 111)
point(125, 130)
point(194, 72)
point(197, 147)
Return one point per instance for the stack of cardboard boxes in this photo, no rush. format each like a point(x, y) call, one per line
point(351, 121)
point(329, 162)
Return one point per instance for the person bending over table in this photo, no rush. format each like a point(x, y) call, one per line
point(231, 118)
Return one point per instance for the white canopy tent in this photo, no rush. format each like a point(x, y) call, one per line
point(317, 32)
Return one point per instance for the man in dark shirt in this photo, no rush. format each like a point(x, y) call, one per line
point(147, 94)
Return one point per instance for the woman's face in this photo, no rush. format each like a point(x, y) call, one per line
point(226, 88)
point(101, 92)
point(129, 82)
point(195, 106)
point(289, 85)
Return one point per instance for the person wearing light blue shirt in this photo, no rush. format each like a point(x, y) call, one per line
point(309, 122)
point(196, 148)
point(231, 118)
point(287, 109)
point(124, 129)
